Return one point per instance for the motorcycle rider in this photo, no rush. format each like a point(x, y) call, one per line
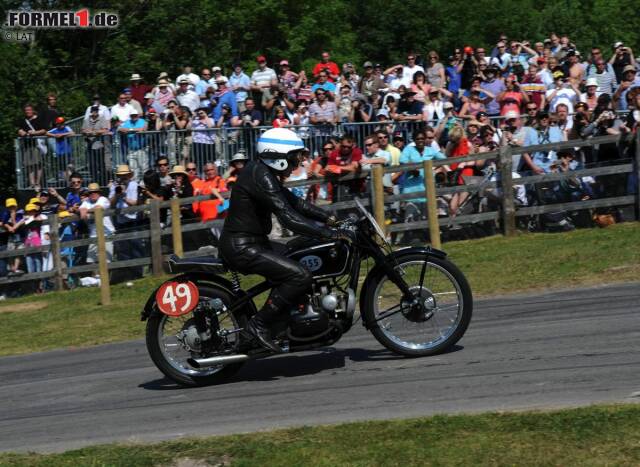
point(244, 244)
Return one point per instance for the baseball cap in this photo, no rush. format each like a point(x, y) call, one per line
point(261, 58)
point(398, 136)
point(383, 113)
point(447, 105)
point(134, 112)
point(151, 111)
point(284, 62)
point(628, 68)
point(482, 114)
point(558, 74)
point(59, 120)
point(222, 79)
point(31, 207)
point(618, 44)
point(11, 202)
point(148, 96)
point(367, 64)
point(216, 68)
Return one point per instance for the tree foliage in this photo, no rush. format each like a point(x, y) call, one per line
point(163, 35)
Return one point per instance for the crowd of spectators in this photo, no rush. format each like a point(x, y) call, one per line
point(215, 109)
point(518, 93)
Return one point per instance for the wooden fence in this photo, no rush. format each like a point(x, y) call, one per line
point(506, 215)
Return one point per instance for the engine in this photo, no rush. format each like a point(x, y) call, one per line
point(329, 309)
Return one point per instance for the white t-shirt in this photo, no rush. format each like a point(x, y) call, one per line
point(105, 204)
point(123, 112)
point(131, 192)
point(564, 96)
point(380, 153)
point(408, 72)
point(189, 99)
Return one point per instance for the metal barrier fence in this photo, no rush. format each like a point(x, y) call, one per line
point(47, 162)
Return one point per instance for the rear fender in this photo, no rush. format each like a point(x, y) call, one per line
point(390, 260)
point(197, 278)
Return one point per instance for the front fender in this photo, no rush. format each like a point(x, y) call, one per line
point(195, 277)
point(390, 260)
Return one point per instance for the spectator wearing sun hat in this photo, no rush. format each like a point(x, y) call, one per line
point(564, 91)
point(89, 205)
point(138, 88)
point(224, 96)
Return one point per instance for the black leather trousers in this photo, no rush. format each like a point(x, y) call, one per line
point(255, 255)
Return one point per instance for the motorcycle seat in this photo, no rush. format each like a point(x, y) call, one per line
point(209, 264)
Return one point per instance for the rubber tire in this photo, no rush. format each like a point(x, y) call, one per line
point(467, 310)
point(153, 346)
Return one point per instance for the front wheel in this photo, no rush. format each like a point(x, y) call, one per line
point(433, 320)
point(172, 341)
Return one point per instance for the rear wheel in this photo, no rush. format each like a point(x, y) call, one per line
point(436, 317)
point(172, 341)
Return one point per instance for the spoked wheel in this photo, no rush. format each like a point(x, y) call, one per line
point(172, 341)
point(436, 316)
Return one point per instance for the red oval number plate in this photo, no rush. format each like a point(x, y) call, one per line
point(177, 298)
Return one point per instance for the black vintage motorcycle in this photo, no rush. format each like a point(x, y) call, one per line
point(414, 301)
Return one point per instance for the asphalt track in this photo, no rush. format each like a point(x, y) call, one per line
point(549, 350)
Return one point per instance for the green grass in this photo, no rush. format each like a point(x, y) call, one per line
point(494, 265)
point(590, 436)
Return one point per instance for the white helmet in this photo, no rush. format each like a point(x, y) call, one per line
point(276, 146)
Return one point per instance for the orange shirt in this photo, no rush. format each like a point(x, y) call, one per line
point(208, 210)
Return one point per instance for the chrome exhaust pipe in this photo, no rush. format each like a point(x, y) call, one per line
point(213, 361)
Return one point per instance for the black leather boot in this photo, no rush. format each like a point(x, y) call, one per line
point(259, 325)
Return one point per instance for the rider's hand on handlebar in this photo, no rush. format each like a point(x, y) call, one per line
point(333, 221)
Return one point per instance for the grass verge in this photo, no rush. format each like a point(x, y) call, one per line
point(494, 265)
point(590, 436)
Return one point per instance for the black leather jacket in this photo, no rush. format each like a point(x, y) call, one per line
point(257, 194)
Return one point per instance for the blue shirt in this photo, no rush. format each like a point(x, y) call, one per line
point(455, 78)
point(203, 85)
point(326, 86)
point(72, 199)
point(243, 81)
point(415, 183)
point(63, 145)
point(228, 98)
point(546, 158)
point(135, 141)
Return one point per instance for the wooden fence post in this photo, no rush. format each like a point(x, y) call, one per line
point(638, 174)
point(103, 267)
point(378, 196)
point(156, 238)
point(54, 250)
point(432, 204)
point(506, 182)
point(176, 227)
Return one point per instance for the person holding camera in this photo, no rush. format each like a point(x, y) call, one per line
point(622, 57)
point(630, 80)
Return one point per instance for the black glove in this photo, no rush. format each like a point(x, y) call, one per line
point(347, 235)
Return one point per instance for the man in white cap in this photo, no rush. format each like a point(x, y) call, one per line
point(590, 97)
point(192, 78)
point(186, 96)
point(224, 96)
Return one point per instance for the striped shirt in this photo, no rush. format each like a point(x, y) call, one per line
point(263, 78)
